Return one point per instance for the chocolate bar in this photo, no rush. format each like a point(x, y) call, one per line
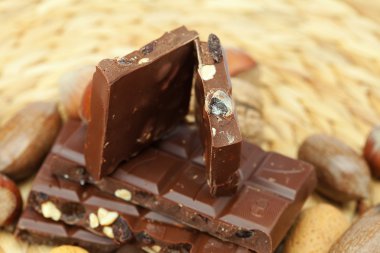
point(169, 178)
point(216, 118)
point(33, 228)
point(106, 215)
point(137, 99)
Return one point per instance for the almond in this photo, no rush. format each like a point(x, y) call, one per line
point(72, 85)
point(26, 138)
point(342, 174)
point(68, 249)
point(316, 229)
point(363, 236)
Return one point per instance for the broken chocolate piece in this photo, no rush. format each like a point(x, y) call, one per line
point(35, 229)
point(138, 99)
point(171, 176)
point(126, 220)
point(217, 120)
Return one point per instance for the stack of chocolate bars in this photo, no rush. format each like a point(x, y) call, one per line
point(138, 175)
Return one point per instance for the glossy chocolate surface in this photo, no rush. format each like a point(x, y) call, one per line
point(137, 99)
point(217, 119)
point(170, 179)
point(150, 230)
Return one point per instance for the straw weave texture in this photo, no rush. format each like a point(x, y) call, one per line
point(319, 60)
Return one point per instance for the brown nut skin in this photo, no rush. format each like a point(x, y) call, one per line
point(363, 236)
point(342, 174)
point(11, 202)
point(371, 151)
point(316, 229)
point(239, 61)
point(26, 138)
point(85, 108)
point(71, 87)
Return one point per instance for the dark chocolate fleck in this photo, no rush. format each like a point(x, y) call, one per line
point(40, 197)
point(80, 171)
point(215, 48)
point(148, 48)
point(121, 230)
point(72, 212)
point(244, 233)
point(144, 238)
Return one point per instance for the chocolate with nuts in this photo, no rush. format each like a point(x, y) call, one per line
point(112, 216)
point(137, 99)
point(217, 119)
point(169, 178)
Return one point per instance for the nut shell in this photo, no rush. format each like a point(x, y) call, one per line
point(316, 229)
point(26, 138)
point(363, 236)
point(371, 151)
point(68, 249)
point(71, 87)
point(342, 174)
point(11, 202)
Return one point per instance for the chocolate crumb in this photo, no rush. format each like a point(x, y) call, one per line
point(215, 48)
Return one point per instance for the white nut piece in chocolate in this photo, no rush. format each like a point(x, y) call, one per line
point(153, 249)
point(207, 72)
point(123, 194)
point(218, 103)
point(108, 231)
point(93, 220)
point(106, 217)
point(50, 211)
point(143, 60)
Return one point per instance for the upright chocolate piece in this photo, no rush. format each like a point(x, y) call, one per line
point(107, 215)
point(170, 180)
point(217, 119)
point(138, 98)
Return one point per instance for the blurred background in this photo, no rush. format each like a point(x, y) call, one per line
point(318, 61)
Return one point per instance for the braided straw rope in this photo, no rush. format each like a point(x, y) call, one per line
point(319, 60)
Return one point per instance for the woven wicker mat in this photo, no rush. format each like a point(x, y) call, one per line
point(319, 60)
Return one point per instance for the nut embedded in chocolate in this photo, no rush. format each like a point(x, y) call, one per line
point(108, 231)
point(72, 212)
point(121, 230)
point(218, 103)
point(244, 233)
point(148, 48)
point(215, 48)
point(144, 238)
point(50, 211)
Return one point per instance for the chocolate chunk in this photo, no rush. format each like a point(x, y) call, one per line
point(140, 101)
point(215, 48)
point(33, 228)
point(272, 192)
point(148, 228)
point(217, 122)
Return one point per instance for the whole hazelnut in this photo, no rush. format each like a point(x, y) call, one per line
point(371, 151)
